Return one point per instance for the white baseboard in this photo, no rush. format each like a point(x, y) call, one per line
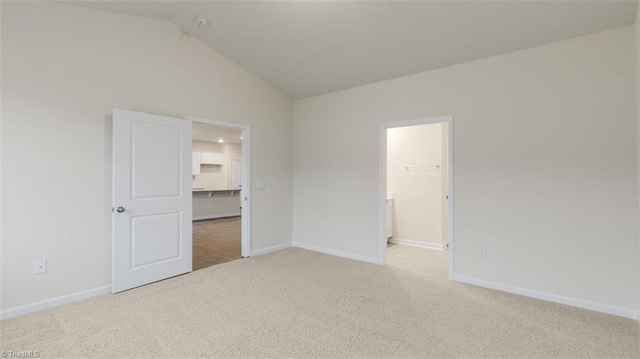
point(337, 253)
point(214, 216)
point(270, 249)
point(408, 242)
point(574, 302)
point(54, 302)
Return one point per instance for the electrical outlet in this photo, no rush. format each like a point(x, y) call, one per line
point(40, 266)
point(482, 252)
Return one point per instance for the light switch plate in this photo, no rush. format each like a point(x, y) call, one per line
point(259, 185)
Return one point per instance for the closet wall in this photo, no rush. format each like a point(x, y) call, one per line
point(415, 178)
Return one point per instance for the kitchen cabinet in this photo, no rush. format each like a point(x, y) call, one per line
point(211, 158)
point(195, 163)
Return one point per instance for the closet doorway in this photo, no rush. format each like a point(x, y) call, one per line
point(416, 195)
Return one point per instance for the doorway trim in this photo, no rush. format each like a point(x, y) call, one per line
point(245, 241)
point(382, 205)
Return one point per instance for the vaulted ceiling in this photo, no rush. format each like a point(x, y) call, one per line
point(307, 48)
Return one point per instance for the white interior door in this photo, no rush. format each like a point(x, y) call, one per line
point(236, 174)
point(151, 198)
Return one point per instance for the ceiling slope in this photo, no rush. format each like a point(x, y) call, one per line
point(315, 47)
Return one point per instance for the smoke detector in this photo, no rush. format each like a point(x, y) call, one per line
point(201, 22)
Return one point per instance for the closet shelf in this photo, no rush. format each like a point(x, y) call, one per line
point(423, 166)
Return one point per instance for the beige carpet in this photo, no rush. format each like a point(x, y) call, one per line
point(296, 303)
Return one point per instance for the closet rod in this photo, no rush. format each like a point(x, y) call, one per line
point(421, 166)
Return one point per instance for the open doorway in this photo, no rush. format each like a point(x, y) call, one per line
point(217, 187)
point(153, 187)
point(416, 195)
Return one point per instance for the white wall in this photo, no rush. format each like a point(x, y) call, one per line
point(544, 166)
point(417, 192)
point(234, 152)
point(64, 69)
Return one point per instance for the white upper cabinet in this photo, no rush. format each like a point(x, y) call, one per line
point(209, 158)
point(195, 163)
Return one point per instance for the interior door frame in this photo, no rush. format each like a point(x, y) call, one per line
point(246, 158)
point(382, 205)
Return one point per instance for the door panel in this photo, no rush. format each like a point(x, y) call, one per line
point(155, 238)
point(156, 159)
point(236, 174)
point(151, 198)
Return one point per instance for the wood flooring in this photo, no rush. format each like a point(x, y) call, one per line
point(216, 241)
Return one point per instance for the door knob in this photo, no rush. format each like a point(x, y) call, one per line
point(120, 209)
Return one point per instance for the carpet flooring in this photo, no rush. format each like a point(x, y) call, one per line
point(216, 241)
point(297, 303)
